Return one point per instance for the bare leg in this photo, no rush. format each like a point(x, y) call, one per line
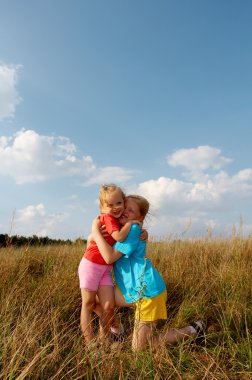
point(143, 336)
point(88, 303)
point(172, 336)
point(107, 304)
point(120, 301)
point(98, 308)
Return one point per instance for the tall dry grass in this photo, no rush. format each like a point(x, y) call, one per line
point(40, 336)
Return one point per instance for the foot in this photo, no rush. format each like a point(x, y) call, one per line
point(117, 332)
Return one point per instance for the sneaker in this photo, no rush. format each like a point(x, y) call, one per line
point(200, 328)
point(117, 332)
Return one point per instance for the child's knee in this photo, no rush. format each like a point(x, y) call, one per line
point(108, 306)
point(139, 344)
point(88, 304)
point(142, 335)
point(136, 347)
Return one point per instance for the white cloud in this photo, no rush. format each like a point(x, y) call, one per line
point(198, 159)
point(27, 214)
point(199, 205)
point(9, 97)
point(167, 191)
point(243, 175)
point(29, 157)
point(164, 191)
point(34, 220)
point(202, 202)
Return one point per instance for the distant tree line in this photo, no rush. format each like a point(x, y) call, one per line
point(19, 241)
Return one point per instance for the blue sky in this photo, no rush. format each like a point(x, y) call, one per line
point(152, 95)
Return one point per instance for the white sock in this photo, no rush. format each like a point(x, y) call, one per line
point(192, 330)
point(117, 330)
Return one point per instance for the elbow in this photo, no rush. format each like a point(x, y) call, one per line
point(108, 260)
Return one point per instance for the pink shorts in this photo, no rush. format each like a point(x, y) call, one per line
point(92, 275)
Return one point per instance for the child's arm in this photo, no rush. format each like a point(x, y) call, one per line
point(123, 233)
point(144, 235)
point(89, 239)
point(109, 254)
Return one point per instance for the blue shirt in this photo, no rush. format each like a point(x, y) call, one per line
point(134, 273)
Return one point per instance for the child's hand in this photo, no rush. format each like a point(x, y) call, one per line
point(96, 224)
point(103, 231)
point(136, 222)
point(144, 235)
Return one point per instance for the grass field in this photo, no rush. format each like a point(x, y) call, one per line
point(40, 305)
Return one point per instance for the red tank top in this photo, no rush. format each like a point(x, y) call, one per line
point(92, 252)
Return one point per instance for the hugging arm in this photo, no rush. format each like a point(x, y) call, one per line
point(122, 234)
point(109, 254)
point(124, 231)
point(144, 235)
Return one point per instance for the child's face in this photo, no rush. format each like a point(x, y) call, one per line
point(131, 211)
point(114, 204)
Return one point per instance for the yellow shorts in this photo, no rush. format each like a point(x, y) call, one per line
point(151, 309)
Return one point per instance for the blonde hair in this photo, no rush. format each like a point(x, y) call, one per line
point(107, 189)
point(142, 203)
